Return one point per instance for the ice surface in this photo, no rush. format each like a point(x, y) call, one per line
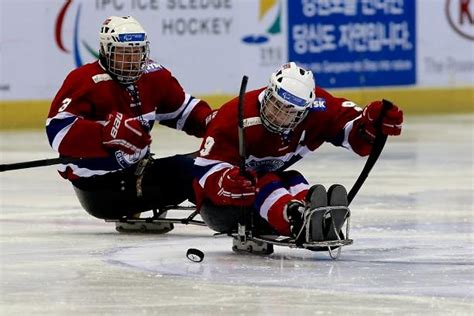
point(412, 225)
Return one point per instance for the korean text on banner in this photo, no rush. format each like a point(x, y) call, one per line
point(355, 43)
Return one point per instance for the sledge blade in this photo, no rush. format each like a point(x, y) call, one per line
point(251, 246)
point(143, 227)
point(288, 242)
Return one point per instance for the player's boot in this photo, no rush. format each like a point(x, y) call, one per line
point(316, 200)
point(295, 214)
point(337, 196)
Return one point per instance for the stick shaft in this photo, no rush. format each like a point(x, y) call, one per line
point(36, 163)
point(242, 151)
point(377, 148)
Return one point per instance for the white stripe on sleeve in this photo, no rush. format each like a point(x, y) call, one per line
point(60, 136)
point(175, 114)
point(347, 130)
point(187, 111)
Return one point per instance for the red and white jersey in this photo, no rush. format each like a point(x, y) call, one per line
point(89, 94)
point(330, 119)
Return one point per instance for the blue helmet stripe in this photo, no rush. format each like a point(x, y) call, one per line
point(131, 37)
point(291, 98)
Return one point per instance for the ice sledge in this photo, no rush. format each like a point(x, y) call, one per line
point(245, 238)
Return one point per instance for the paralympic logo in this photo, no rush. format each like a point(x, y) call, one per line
point(75, 42)
point(275, 27)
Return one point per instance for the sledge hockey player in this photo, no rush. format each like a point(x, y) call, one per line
point(104, 113)
point(282, 123)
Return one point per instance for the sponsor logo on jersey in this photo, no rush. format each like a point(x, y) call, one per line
point(268, 165)
point(116, 126)
point(319, 105)
point(251, 121)
point(101, 77)
point(152, 66)
point(121, 159)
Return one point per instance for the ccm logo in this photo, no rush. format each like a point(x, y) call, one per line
point(115, 127)
point(460, 14)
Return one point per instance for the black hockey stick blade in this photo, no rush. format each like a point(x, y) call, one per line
point(242, 151)
point(377, 148)
point(37, 163)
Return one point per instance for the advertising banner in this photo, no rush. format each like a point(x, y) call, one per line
point(210, 44)
point(446, 43)
point(355, 43)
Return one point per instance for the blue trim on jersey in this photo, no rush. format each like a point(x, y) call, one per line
point(173, 122)
point(105, 164)
point(299, 179)
point(56, 125)
point(338, 139)
point(265, 192)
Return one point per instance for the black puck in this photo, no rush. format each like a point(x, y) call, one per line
point(195, 255)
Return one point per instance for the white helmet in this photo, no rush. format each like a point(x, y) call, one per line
point(124, 48)
point(288, 98)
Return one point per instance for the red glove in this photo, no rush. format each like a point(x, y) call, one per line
point(391, 122)
point(124, 133)
point(236, 189)
point(363, 132)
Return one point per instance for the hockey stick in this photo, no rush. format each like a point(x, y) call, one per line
point(377, 148)
point(242, 151)
point(37, 163)
point(53, 161)
point(241, 229)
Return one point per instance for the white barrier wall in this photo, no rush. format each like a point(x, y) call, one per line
point(445, 43)
point(210, 44)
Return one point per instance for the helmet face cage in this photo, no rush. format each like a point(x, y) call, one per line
point(287, 99)
point(127, 63)
point(279, 116)
point(124, 48)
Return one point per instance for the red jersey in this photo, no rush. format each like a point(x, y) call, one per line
point(89, 94)
point(330, 119)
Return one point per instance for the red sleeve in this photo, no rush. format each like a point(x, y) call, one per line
point(198, 119)
point(339, 112)
point(190, 113)
point(218, 152)
point(346, 125)
point(224, 133)
point(69, 129)
point(339, 124)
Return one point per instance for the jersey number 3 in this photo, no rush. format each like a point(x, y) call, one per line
point(64, 105)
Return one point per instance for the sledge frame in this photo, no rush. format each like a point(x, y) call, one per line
point(246, 239)
point(334, 247)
